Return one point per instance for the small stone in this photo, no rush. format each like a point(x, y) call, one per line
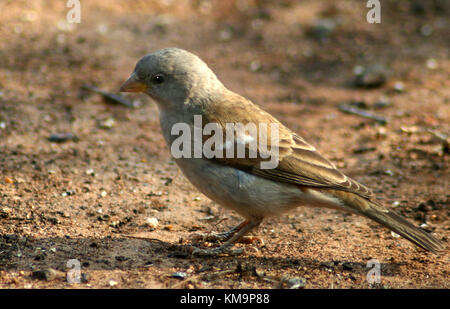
point(103, 193)
point(322, 29)
point(107, 123)
point(399, 87)
point(255, 66)
point(112, 283)
point(426, 30)
point(395, 235)
point(62, 137)
point(389, 172)
point(382, 102)
point(179, 275)
point(90, 172)
point(121, 258)
point(396, 204)
point(151, 222)
point(2, 125)
point(296, 283)
point(9, 180)
point(225, 35)
point(5, 212)
point(47, 274)
point(371, 76)
point(381, 132)
point(432, 64)
point(68, 193)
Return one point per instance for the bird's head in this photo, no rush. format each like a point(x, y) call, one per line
point(172, 76)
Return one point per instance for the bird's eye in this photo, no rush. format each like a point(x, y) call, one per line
point(158, 79)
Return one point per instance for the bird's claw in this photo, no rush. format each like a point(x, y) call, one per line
point(216, 251)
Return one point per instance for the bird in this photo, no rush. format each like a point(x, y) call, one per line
point(185, 90)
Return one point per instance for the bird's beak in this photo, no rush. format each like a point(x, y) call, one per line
point(133, 84)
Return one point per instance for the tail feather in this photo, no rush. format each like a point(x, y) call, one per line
point(406, 229)
point(391, 220)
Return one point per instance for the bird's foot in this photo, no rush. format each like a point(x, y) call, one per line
point(221, 237)
point(211, 252)
point(215, 237)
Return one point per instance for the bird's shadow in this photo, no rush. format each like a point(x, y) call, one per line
point(124, 253)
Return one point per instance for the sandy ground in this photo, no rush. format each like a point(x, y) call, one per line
point(87, 198)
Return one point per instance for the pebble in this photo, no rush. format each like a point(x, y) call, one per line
point(179, 275)
point(107, 123)
point(151, 222)
point(399, 87)
point(112, 283)
point(370, 76)
point(396, 204)
point(389, 172)
point(395, 235)
point(9, 180)
point(382, 102)
point(426, 30)
point(2, 125)
point(255, 66)
point(432, 64)
point(47, 274)
point(90, 172)
point(68, 193)
point(322, 28)
point(62, 137)
point(296, 283)
point(225, 35)
point(5, 212)
point(121, 258)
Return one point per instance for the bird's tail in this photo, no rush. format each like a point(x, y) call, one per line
point(390, 220)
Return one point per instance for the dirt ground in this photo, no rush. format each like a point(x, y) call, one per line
point(92, 198)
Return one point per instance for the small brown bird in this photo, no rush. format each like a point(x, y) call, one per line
point(184, 88)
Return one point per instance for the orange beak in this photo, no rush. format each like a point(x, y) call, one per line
point(132, 84)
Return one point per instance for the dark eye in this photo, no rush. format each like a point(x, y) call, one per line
point(158, 79)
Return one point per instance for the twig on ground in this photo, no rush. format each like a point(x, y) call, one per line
point(362, 113)
point(109, 97)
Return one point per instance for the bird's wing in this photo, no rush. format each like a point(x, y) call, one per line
point(298, 162)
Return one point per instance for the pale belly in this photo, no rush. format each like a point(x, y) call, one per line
point(249, 195)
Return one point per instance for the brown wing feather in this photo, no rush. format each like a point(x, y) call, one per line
point(299, 162)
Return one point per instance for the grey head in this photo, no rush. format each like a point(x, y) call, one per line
point(173, 76)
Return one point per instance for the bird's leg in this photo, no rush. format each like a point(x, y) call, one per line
point(242, 229)
point(225, 235)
